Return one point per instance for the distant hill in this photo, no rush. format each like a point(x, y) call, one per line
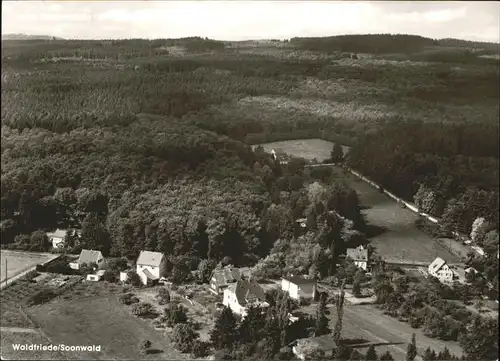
point(386, 44)
point(368, 43)
point(29, 37)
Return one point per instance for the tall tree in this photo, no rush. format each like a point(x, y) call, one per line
point(337, 154)
point(321, 317)
point(337, 332)
point(224, 333)
point(411, 350)
point(429, 355)
point(371, 354)
point(386, 357)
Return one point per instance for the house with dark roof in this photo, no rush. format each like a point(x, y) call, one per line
point(305, 347)
point(151, 266)
point(360, 255)
point(222, 277)
point(87, 257)
point(242, 294)
point(299, 287)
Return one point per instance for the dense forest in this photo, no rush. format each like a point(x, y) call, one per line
point(145, 144)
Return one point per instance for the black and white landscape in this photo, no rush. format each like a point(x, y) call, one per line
point(249, 181)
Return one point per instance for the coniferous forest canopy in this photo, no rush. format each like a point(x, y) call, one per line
point(146, 144)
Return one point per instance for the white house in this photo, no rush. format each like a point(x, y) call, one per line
point(87, 257)
point(360, 256)
point(222, 277)
point(151, 266)
point(299, 287)
point(57, 237)
point(439, 269)
point(305, 347)
point(240, 295)
point(96, 276)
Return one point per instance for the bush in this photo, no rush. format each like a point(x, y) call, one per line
point(163, 296)
point(134, 279)
point(41, 297)
point(200, 348)
point(143, 309)
point(128, 299)
point(183, 337)
point(145, 346)
point(175, 314)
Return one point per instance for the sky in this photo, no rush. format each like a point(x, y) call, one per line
point(243, 20)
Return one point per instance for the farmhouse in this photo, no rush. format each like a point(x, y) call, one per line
point(360, 256)
point(151, 266)
point(87, 257)
point(242, 294)
point(57, 237)
point(439, 269)
point(299, 287)
point(222, 277)
point(306, 347)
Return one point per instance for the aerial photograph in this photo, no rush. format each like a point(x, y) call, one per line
point(250, 180)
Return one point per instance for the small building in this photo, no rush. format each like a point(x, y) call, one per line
point(95, 277)
point(305, 347)
point(360, 256)
point(439, 269)
point(87, 257)
point(58, 236)
point(299, 287)
point(242, 294)
point(151, 266)
point(124, 276)
point(222, 277)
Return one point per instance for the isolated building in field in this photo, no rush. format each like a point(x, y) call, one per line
point(151, 266)
point(305, 347)
point(360, 255)
point(442, 271)
point(87, 257)
point(222, 277)
point(242, 294)
point(96, 276)
point(57, 237)
point(299, 287)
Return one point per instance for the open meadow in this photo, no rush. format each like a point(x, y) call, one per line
point(15, 262)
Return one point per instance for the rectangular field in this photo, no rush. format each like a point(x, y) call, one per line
point(368, 323)
point(15, 262)
point(309, 149)
point(101, 321)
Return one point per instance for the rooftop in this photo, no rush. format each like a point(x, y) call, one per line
point(149, 258)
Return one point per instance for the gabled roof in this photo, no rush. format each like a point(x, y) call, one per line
point(298, 280)
point(437, 264)
point(226, 275)
point(89, 256)
point(61, 233)
point(148, 258)
point(246, 291)
point(357, 254)
point(149, 275)
point(321, 343)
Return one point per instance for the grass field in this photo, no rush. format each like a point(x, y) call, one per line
point(367, 322)
point(17, 262)
point(101, 321)
point(309, 149)
point(11, 338)
point(400, 239)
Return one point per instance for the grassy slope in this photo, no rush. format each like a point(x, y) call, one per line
point(101, 321)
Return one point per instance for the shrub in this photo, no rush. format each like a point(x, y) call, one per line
point(145, 346)
point(134, 279)
point(128, 299)
point(175, 314)
point(163, 296)
point(41, 297)
point(200, 348)
point(143, 309)
point(183, 337)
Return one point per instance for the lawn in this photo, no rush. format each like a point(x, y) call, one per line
point(101, 321)
point(399, 240)
point(309, 149)
point(9, 339)
point(368, 323)
point(18, 262)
